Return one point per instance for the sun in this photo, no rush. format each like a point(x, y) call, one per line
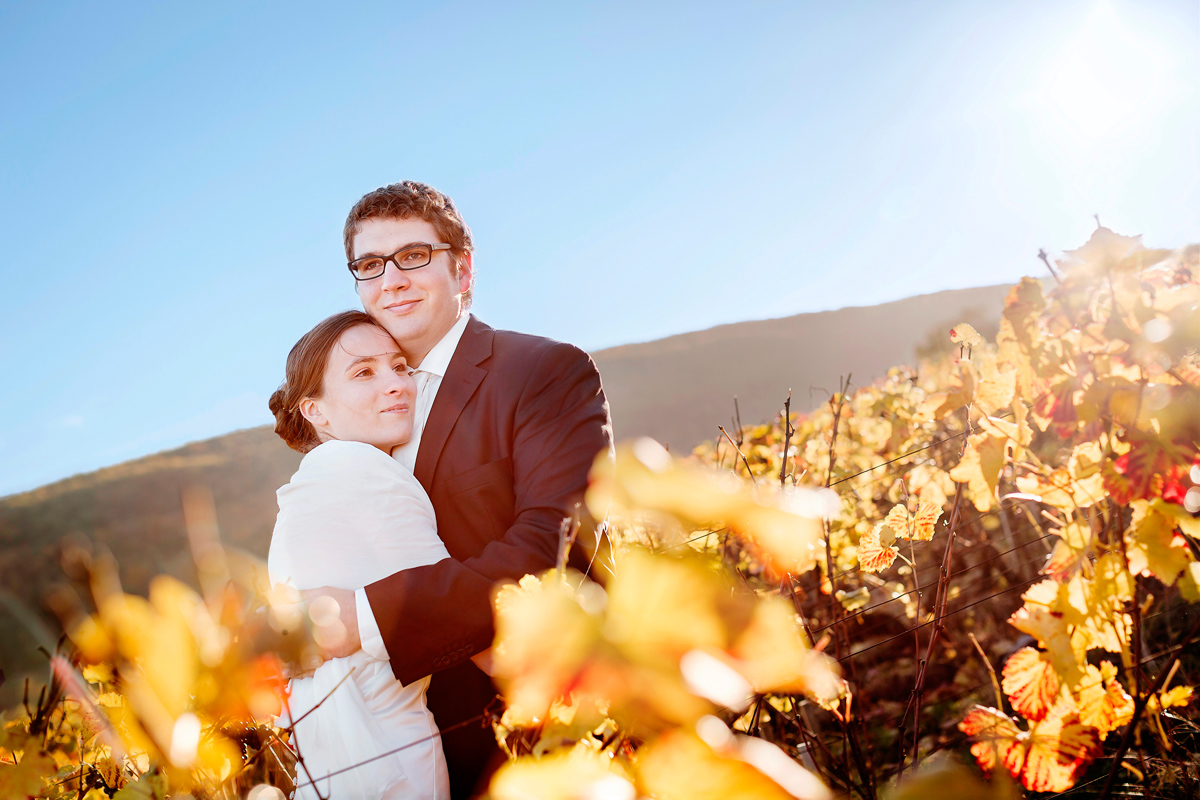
point(1103, 86)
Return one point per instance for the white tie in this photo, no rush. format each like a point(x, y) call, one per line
point(406, 453)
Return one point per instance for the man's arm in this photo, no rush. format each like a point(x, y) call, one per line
point(436, 616)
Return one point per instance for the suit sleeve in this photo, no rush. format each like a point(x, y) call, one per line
point(437, 616)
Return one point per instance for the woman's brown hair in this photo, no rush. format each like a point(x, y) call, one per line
point(305, 377)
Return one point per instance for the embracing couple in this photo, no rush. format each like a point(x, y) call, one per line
point(442, 456)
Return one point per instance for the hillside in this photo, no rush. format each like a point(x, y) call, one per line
point(133, 509)
point(676, 389)
point(679, 389)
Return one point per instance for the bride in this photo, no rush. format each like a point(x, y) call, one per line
point(350, 516)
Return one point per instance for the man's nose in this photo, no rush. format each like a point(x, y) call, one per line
point(394, 277)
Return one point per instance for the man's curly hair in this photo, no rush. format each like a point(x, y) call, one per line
point(413, 199)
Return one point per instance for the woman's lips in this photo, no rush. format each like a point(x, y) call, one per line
point(397, 409)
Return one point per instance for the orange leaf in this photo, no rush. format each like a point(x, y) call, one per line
point(1047, 758)
point(925, 520)
point(1137, 474)
point(1031, 683)
point(872, 555)
point(919, 526)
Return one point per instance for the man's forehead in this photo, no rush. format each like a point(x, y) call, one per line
point(383, 236)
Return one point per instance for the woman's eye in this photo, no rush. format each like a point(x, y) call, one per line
point(363, 373)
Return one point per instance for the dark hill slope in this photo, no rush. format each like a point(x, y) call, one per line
point(134, 510)
point(679, 389)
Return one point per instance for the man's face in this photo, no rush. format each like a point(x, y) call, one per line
point(417, 307)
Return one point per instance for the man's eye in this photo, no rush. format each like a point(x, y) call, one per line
point(371, 265)
point(412, 256)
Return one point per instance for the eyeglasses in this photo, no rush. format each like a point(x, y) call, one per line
point(414, 256)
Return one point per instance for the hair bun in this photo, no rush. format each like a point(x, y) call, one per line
point(290, 424)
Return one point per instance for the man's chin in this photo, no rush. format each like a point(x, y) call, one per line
point(402, 329)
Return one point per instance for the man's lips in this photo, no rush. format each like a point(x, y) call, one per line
point(402, 306)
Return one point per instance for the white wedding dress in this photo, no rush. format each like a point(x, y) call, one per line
point(350, 516)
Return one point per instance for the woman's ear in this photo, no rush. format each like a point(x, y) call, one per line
point(310, 409)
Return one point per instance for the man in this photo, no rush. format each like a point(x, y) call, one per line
point(506, 428)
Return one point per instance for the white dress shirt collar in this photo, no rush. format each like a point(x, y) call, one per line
point(437, 360)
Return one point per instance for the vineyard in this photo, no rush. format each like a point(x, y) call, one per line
point(976, 577)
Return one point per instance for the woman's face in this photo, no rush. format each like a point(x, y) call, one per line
point(368, 394)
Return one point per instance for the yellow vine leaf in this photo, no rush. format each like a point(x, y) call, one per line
point(965, 335)
point(1070, 551)
point(1010, 352)
point(930, 484)
point(1174, 697)
point(1101, 700)
point(1043, 618)
point(567, 775)
point(1105, 251)
point(994, 388)
point(1016, 430)
point(1084, 465)
point(1153, 546)
point(1031, 683)
point(785, 526)
point(1189, 583)
point(25, 779)
point(1022, 307)
point(980, 468)
point(773, 657)
point(694, 606)
point(681, 766)
point(532, 669)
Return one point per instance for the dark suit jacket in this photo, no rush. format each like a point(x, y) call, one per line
point(514, 429)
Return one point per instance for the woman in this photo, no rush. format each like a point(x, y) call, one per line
point(350, 516)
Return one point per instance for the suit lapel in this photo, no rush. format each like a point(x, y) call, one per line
point(462, 378)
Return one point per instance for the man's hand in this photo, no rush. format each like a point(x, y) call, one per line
point(335, 620)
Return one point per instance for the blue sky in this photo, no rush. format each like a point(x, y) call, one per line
point(174, 177)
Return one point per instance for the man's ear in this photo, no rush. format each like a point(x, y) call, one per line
point(465, 268)
point(310, 409)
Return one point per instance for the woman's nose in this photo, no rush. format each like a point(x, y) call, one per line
point(401, 383)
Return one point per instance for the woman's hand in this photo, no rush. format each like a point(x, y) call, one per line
point(335, 620)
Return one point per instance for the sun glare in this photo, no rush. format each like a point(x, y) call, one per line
point(1103, 86)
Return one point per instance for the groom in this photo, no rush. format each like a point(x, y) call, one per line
point(505, 428)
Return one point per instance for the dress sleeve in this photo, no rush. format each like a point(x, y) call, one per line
point(350, 516)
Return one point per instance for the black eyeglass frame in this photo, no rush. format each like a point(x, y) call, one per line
point(433, 248)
